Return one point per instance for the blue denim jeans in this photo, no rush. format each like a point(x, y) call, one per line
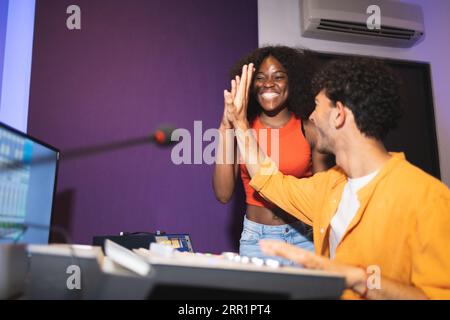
point(297, 234)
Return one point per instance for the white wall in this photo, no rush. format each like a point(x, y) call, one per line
point(279, 23)
point(17, 64)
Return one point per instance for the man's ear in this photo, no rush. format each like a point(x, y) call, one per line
point(339, 115)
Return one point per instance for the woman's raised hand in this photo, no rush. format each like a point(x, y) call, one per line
point(228, 103)
point(236, 100)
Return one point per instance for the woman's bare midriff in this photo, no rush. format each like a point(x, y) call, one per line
point(267, 216)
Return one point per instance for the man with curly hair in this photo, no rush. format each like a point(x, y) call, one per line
point(378, 220)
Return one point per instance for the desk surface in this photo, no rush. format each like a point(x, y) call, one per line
point(170, 278)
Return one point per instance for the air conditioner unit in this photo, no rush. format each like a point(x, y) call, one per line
point(346, 20)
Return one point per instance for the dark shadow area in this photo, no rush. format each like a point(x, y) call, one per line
point(62, 217)
point(330, 161)
point(174, 292)
point(238, 207)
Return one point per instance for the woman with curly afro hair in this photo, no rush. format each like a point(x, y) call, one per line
point(280, 102)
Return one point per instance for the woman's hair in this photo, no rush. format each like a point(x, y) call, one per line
point(300, 66)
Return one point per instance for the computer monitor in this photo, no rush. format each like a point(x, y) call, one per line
point(28, 169)
point(180, 242)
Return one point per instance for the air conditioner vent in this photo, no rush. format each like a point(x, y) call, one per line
point(402, 23)
point(361, 28)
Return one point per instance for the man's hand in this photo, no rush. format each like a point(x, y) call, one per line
point(355, 277)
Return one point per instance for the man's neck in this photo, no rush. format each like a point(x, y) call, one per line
point(360, 157)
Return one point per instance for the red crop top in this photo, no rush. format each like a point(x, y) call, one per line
point(294, 156)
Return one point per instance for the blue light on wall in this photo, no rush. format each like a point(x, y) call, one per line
point(3, 19)
point(16, 45)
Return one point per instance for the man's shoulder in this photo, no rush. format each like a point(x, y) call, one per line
point(332, 173)
point(407, 176)
point(330, 177)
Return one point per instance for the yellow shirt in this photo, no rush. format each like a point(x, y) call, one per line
point(402, 225)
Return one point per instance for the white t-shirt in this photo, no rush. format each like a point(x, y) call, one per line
point(347, 209)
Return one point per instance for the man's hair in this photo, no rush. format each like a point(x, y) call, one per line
point(300, 66)
point(368, 88)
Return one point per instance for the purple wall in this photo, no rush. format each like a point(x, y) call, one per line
point(135, 65)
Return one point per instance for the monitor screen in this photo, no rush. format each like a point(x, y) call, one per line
point(28, 170)
point(180, 242)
